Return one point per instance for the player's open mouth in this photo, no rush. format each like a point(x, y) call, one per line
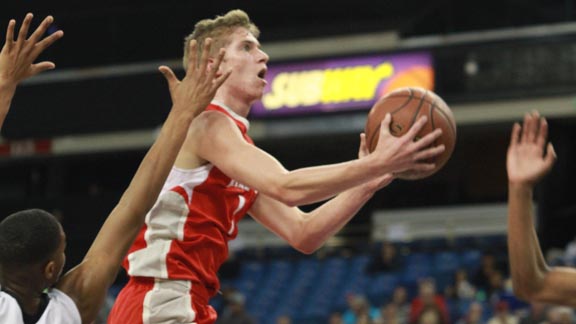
point(262, 73)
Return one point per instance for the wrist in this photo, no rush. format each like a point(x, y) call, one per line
point(6, 85)
point(363, 192)
point(520, 187)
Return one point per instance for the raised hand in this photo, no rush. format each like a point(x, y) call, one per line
point(18, 55)
point(527, 161)
point(403, 153)
point(195, 91)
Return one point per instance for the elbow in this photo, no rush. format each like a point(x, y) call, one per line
point(305, 249)
point(528, 293)
point(527, 289)
point(306, 246)
point(288, 197)
point(522, 293)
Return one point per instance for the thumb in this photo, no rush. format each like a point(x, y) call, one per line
point(42, 66)
point(363, 151)
point(168, 75)
point(550, 156)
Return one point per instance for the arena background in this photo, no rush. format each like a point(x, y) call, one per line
point(75, 136)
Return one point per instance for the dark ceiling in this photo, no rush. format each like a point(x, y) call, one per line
point(112, 32)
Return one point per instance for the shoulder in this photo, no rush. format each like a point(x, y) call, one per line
point(210, 118)
point(61, 308)
point(210, 124)
point(9, 310)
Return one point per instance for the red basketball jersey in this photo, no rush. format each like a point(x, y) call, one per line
point(186, 233)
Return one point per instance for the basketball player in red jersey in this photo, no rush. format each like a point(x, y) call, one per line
point(32, 242)
point(529, 159)
point(219, 176)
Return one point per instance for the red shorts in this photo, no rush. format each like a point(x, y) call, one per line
point(149, 300)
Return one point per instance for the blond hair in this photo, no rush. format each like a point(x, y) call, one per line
point(219, 29)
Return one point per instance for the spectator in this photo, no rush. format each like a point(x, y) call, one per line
point(496, 288)
point(536, 314)
point(335, 318)
point(400, 301)
point(464, 288)
point(474, 314)
point(502, 315)
point(389, 315)
point(427, 297)
point(358, 307)
point(234, 312)
point(488, 265)
point(284, 319)
point(387, 259)
point(431, 314)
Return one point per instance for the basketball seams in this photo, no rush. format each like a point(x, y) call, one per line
point(376, 131)
point(446, 116)
point(417, 112)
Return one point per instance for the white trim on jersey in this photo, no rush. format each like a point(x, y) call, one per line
point(165, 223)
point(233, 113)
point(173, 298)
point(61, 309)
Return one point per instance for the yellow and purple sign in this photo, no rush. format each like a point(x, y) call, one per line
point(341, 84)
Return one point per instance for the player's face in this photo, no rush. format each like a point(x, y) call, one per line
point(248, 62)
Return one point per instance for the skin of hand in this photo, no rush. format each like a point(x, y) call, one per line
point(18, 55)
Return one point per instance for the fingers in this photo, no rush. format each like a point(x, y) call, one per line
point(46, 42)
point(23, 31)
point(530, 128)
point(41, 29)
point(542, 132)
point(428, 140)
point(168, 75)
point(515, 137)
point(192, 54)
point(363, 150)
point(219, 80)
point(216, 65)
point(423, 167)
point(205, 54)
point(550, 157)
point(416, 128)
point(534, 126)
point(42, 66)
point(385, 125)
point(10, 35)
point(429, 153)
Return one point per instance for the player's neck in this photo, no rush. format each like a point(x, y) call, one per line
point(24, 289)
point(238, 105)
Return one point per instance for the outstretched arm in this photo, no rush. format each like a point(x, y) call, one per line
point(18, 55)
point(218, 140)
point(307, 232)
point(527, 163)
point(88, 283)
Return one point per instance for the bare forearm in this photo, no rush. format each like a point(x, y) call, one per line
point(314, 184)
point(6, 94)
point(125, 221)
point(327, 220)
point(527, 263)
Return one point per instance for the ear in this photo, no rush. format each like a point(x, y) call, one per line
point(50, 271)
point(211, 62)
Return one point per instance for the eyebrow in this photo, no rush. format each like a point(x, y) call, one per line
point(251, 42)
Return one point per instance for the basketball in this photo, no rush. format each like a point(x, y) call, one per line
point(406, 106)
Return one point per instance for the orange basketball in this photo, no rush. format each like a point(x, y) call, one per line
point(407, 105)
